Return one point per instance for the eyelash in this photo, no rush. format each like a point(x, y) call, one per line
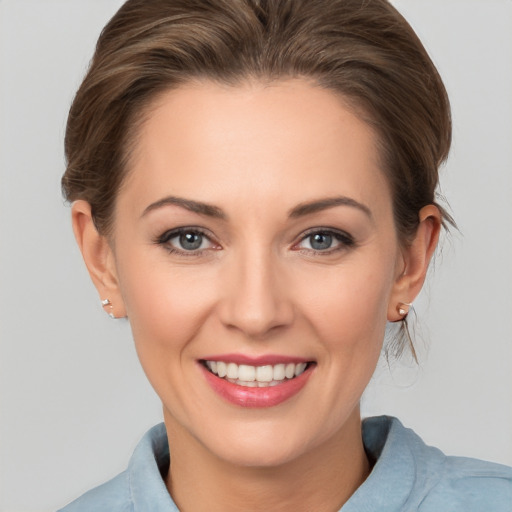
point(165, 238)
point(345, 240)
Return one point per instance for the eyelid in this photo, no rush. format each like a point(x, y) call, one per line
point(346, 240)
point(173, 232)
point(169, 234)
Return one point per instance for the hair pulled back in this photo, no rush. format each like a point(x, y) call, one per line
point(361, 49)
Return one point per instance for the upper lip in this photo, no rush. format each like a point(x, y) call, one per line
point(266, 359)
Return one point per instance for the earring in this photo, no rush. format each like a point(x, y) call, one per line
point(403, 308)
point(105, 303)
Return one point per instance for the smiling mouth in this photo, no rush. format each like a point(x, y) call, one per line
point(256, 376)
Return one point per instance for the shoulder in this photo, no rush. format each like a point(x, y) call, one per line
point(468, 485)
point(112, 496)
point(453, 483)
point(410, 475)
point(140, 488)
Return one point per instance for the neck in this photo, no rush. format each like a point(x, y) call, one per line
point(322, 480)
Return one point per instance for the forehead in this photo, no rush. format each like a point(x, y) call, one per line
point(292, 141)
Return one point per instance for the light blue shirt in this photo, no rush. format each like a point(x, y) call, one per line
point(408, 476)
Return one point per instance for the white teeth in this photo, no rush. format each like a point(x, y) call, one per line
point(256, 376)
point(221, 369)
point(299, 368)
point(289, 371)
point(279, 372)
point(264, 373)
point(232, 371)
point(246, 373)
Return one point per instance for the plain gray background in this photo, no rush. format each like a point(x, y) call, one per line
point(74, 401)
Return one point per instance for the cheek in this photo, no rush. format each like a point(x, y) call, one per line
point(347, 306)
point(166, 310)
point(173, 302)
point(166, 306)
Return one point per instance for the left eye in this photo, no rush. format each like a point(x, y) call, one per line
point(323, 241)
point(320, 241)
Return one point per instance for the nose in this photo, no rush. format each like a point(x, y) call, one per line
point(256, 299)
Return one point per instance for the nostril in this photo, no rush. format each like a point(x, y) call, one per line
point(255, 299)
point(256, 315)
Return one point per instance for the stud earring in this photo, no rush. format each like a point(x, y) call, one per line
point(403, 308)
point(106, 303)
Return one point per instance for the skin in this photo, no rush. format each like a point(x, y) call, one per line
point(256, 153)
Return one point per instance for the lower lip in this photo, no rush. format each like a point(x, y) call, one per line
point(244, 396)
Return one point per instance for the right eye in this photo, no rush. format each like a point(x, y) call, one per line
point(186, 241)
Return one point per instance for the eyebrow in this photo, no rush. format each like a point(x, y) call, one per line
point(193, 206)
point(329, 202)
point(300, 210)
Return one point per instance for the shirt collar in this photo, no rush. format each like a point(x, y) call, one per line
point(148, 465)
point(386, 489)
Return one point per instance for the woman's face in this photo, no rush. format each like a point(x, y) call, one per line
point(254, 235)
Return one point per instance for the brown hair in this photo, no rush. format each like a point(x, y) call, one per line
point(362, 49)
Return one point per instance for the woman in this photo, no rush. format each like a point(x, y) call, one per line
point(253, 186)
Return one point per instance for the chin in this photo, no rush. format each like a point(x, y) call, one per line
point(263, 444)
point(256, 455)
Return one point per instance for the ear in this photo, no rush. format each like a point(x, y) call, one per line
point(98, 257)
point(416, 258)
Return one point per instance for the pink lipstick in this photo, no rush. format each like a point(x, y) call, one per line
point(263, 381)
